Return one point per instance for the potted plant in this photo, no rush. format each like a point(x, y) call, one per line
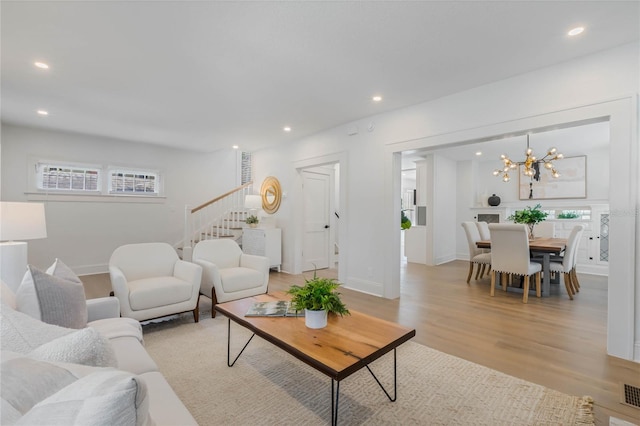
point(529, 216)
point(317, 297)
point(405, 222)
point(252, 221)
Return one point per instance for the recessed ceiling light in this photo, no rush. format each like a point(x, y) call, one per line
point(235, 147)
point(575, 31)
point(43, 112)
point(376, 98)
point(41, 65)
point(286, 128)
point(479, 153)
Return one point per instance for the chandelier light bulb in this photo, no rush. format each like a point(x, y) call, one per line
point(531, 164)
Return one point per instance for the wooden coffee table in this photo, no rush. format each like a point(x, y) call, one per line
point(345, 346)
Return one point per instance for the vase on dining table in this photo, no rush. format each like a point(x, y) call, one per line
point(531, 225)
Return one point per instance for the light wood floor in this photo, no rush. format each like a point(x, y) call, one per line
point(552, 341)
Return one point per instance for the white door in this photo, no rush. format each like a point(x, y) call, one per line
point(315, 248)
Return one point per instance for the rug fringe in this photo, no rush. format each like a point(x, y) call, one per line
point(585, 411)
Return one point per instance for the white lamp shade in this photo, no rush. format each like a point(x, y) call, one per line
point(22, 221)
point(253, 202)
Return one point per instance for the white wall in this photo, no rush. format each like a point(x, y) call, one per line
point(84, 234)
point(567, 92)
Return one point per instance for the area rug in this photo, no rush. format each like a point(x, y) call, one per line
point(270, 387)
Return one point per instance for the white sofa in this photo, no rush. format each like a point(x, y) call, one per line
point(114, 356)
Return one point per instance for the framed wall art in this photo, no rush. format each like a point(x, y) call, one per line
point(572, 182)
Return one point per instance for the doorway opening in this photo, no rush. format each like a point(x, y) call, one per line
point(320, 217)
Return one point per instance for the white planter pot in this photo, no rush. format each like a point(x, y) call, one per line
point(315, 319)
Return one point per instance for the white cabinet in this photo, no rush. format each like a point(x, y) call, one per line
point(264, 242)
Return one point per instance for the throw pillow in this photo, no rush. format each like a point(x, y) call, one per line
point(25, 382)
point(59, 269)
point(62, 302)
point(22, 334)
point(85, 346)
point(7, 295)
point(37, 392)
point(53, 299)
point(108, 397)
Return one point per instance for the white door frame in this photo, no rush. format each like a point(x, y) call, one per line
point(297, 210)
point(624, 270)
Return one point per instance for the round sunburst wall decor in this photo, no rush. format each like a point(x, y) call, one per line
point(271, 194)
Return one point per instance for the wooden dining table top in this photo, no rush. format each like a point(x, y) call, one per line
point(550, 245)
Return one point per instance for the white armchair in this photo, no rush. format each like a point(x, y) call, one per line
point(227, 273)
point(150, 281)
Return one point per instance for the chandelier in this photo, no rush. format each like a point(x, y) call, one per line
point(531, 164)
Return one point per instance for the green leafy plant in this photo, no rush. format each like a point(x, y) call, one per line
point(529, 216)
point(567, 214)
point(318, 294)
point(405, 222)
point(251, 219)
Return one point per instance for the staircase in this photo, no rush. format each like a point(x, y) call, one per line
point(221, 217)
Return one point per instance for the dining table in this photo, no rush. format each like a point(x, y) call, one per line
point(544, 246)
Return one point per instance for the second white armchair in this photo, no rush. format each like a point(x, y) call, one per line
point(228, 273)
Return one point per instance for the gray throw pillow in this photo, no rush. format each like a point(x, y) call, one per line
point(62, 301)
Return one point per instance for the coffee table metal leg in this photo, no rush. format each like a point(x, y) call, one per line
point(334, 407)
point(229, 363)
point(335, 392)
point(395, 379)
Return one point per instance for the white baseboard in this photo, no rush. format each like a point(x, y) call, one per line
point(445, 259)
point(91, 269)
point(364, 286)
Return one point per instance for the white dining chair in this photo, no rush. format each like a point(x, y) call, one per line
point(544, 229)
point(476, 255)
point(483, 229)
point(568, 265)
point(510, 255)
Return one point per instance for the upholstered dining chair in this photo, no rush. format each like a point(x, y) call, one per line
point(485, 235)
point(544, 229)
point(150, 281)
point(510, 255)
point(567, 266)
point(476, 255)
point(483, 229)
point(228, 273)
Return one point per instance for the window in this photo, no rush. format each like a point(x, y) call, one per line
point(246, 168)
point(61, 179)
point(68, 178)
point(133, 182)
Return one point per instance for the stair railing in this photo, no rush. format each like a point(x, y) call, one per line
point(215, 218)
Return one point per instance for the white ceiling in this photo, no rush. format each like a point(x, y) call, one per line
point(205, 75)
